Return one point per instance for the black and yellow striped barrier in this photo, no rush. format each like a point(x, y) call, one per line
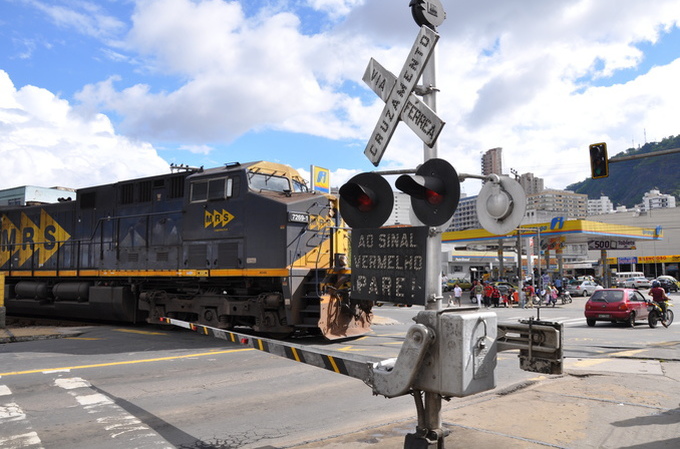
point(352, 365)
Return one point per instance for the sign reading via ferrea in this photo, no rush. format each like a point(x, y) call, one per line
point(388, 264)
point(396, 101)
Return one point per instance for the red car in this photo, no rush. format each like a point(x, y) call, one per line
point(616, 304)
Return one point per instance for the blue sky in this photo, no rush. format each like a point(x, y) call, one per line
point(100, 91)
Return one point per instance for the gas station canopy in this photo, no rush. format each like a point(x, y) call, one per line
point(598, 236)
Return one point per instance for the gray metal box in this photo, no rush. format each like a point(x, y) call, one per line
point(462, 360)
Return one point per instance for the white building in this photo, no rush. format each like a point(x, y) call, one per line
point(21, 196)
point(401, 212)
point(603, 205)
point(565, 202)
point(654, 199)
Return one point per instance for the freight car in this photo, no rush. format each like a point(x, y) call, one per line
point(238, 245)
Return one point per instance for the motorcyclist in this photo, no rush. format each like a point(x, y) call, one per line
point(658, 295)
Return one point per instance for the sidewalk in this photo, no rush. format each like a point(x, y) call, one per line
point(598, 403)
point(13, 334)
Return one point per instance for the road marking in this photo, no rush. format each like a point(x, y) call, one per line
point(112, 417)
point(351, 349)
point(16, 429)
point(132, 331)
point(21, 441)
point(11, 412)
point(127, 362)
point(628, 353)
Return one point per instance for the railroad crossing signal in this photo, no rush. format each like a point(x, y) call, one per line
point(427, 12)
point(397, 100)
point(366, 201)
point(434, 191)
point(417, 115)
point(599, 161)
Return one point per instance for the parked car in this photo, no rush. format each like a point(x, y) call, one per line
point(667, 284)
point(464, 284)
point(616, 304)
point(582, 288)
point(638, 282)
point(671, 280)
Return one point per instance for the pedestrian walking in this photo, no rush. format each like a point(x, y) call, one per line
point(457, 294)
point(529, 295)
point(488, 291)
point(522, 298)
point(478, 291)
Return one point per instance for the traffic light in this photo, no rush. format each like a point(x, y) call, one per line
point(434, 191)
point(599, 161)
point(366, 201)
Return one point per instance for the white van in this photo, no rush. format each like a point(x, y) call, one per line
point(621, 277)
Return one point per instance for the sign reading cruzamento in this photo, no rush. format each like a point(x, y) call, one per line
point(396, 100)
point(388, 264)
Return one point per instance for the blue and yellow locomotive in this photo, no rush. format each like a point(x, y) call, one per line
point(239, 245)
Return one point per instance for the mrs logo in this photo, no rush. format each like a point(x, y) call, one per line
point(28, 238)
point(216, 219)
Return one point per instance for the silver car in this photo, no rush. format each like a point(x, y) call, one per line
point(637, 283)
point(582, 288)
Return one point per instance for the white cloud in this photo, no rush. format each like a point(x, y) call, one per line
point(240, 75)
point(44, 141)
point(519, 75)
point(85, 17)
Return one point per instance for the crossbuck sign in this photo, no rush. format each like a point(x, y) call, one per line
point(400, 102)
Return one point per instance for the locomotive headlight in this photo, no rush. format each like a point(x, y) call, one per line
point(298, 217)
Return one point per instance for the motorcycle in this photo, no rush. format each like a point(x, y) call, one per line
point(656, 314)
point(565, 297)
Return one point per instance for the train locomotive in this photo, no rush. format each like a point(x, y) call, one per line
point(238, 245)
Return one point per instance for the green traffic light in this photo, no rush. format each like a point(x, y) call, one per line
point(599, 161)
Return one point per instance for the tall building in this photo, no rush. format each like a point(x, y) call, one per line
point(465, 216)
point(568, 204)
point(531, 184)
point(491, 162)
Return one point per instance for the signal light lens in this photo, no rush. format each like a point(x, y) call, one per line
point(433, 197)
point(365, 203)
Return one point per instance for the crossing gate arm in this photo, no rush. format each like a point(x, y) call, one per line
point(352, 365)
point(540, 344)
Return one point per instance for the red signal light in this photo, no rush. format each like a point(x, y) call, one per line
point(365, 203)
point(433, 197)
point(434, 191)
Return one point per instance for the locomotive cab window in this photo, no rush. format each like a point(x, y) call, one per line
point(212, 189)
point(299, 187)
point(260, 181)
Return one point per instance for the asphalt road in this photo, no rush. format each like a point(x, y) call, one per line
point(121, 387)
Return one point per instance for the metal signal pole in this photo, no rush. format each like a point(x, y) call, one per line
point(432, 434)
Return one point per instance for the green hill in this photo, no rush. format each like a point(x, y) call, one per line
point(628, 181)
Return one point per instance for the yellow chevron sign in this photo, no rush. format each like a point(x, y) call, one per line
point(216, 219)
point(26, 239)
